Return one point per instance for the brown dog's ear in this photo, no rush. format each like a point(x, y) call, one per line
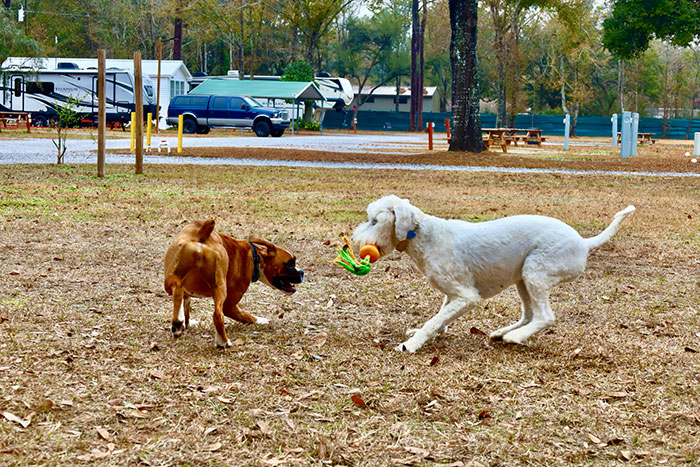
point(265, 248)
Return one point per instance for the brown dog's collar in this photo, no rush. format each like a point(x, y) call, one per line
point(256, 264)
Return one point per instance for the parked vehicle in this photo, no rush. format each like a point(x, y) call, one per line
point(202, 112)
point(41, 91)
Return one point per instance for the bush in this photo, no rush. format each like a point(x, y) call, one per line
point(304, 125)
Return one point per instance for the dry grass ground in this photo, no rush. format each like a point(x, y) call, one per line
point(87, 363)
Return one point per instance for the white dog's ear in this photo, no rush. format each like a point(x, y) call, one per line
point(405, 217)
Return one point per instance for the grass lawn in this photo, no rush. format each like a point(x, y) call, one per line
point(89, 372)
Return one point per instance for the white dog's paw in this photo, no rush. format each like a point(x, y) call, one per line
point(407, 346)
point(496, 335)
point(259, 320)
point(515, 337)
point(410, 332)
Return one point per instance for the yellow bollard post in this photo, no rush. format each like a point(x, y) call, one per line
point(148, 130)
point(133, 131)
point(179, 132)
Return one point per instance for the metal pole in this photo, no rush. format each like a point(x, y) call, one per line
point(101, 113)
point(138, 104)
point(567, 123)
point(625, 134)
point(696, 151)
point(635, 131)
point(614, 129)
point(180, 121)
point(160, 54)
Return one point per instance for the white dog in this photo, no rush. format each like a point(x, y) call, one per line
point(470, 261)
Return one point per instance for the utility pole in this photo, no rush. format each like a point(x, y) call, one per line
point(160, 54)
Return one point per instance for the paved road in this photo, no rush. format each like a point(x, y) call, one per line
point(42, 151)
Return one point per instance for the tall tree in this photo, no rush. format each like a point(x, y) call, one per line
point(419, 18)
point(466, 134)
point(633, 24)
point(13, 42)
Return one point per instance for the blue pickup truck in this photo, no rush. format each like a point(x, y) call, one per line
point(201, 112)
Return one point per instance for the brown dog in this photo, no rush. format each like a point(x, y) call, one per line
point(204, 263)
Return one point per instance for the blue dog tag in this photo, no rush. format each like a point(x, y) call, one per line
point(411, 234)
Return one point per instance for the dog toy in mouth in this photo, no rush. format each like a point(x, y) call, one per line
point(370, 250)
point(346, 259)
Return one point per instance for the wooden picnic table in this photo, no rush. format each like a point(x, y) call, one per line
point(495, 137)
point(15, 120)
point(504, 136)
point(641, 138)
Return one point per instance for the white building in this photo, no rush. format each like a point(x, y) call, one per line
point(384, 98)
point(174, 75)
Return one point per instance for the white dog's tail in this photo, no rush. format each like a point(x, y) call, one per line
point(605, 235)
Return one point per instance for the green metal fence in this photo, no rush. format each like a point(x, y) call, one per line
point(549, 124)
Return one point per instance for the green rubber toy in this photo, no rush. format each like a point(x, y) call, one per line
point(346, 259)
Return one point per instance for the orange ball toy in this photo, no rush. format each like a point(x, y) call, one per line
point(369, 250)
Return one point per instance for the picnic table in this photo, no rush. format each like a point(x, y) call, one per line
point(15, 120)
point(641, 138)
point(504, 136)
point(495, 137)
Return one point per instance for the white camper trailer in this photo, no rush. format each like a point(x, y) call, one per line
point(39, 91)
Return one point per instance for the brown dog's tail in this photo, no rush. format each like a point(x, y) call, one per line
point(205, 230)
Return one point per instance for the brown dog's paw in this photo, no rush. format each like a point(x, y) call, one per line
point(178, 329)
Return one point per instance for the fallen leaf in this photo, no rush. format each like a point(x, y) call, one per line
point(136, 413)
point(154, 347)
point(434, 360)
point(104, 434)
point(209, 431)
point(156, 374)
point(264, 426)
point(691, 350)
point(223, 400)
point(214, 447)
point(16, 419)
point(617, 394)
point(44, 406)
point(417, 451)
point(477, 331)
point(594, 439)
point(358, 401)
point(209, 389)
point(626, 455)
point(239, 342)
point(485, 413)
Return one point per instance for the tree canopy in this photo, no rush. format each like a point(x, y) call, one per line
point(633, 24)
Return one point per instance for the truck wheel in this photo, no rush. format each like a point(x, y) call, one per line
point(262, 128)
point(40, 121)
point(189, 126)
point(277, 133)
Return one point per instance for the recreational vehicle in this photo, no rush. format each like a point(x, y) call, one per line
point(39, 91)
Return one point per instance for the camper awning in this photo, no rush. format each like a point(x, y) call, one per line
point(299, 90)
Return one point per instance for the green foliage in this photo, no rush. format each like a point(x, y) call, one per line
point(298, 70)
point(308, 125)
point(633, 24)
point(13, 42)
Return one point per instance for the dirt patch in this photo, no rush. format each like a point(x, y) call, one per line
point(88, 366)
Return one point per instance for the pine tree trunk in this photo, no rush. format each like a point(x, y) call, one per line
point(415, 33)
point(466, 133)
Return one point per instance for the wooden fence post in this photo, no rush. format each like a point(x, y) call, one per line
point(138, 104)
point(101, 113)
